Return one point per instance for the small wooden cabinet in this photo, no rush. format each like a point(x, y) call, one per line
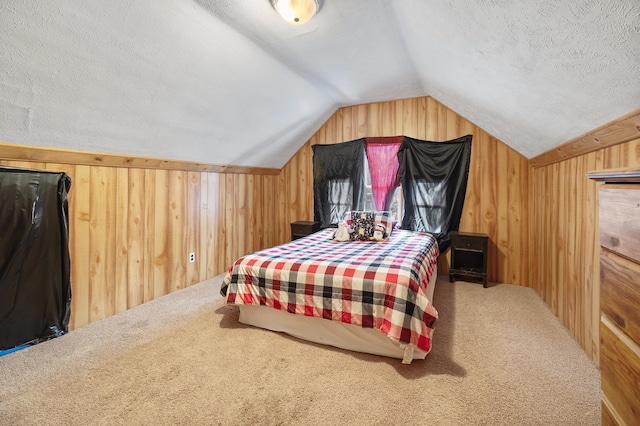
point(303, 228)
point(619, 200)
point(469, 257)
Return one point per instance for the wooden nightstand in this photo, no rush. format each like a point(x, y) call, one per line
point(469, 257)
point(303, 228)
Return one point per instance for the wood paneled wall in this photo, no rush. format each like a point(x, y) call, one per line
point(497, 194)
point(564, 222)
point(131, 230)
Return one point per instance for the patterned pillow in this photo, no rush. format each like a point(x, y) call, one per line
point(385, 219)
point(362, 224)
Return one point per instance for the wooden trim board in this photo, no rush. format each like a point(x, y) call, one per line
point(620, 130)
point(11, 152)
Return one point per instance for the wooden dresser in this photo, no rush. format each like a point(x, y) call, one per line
point(619, 197)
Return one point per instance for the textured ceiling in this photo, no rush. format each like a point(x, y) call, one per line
point(229, 82)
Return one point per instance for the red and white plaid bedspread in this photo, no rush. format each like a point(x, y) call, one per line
point(369, 284)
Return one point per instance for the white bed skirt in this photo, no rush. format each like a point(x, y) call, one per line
point(333, 333)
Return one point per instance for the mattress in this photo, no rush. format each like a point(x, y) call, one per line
point(333, 333)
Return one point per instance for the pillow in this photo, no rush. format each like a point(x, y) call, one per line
point(362, 225)
point(385, 219)
point(370, 225)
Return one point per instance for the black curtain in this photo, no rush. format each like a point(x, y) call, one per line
point(338, 181)
point(434, 183)
point(35, 286)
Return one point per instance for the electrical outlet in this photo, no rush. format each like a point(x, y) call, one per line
point(192, 257)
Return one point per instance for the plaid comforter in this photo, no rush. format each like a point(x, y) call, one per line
point(369, 284)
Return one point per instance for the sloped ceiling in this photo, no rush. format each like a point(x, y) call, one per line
point(230, 82)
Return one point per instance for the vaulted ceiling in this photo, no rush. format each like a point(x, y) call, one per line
point(230, 82)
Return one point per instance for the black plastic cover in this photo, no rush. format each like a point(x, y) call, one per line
point(434, 183)
point(338, 181)
point(35, 285)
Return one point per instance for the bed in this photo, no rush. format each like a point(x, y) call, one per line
point(365, 296)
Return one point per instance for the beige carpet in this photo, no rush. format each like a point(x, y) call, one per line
point(500, 357)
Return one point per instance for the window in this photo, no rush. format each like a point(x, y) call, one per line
point(339, 199)
point(430, 197)
point(338, 181)
point(397, 203)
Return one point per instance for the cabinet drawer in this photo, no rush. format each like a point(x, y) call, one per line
point(464, 242)
point(303, 228)
point(620, 367)
point(619, 224)
point(620, 292)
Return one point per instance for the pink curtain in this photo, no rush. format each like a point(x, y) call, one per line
point(383, 167)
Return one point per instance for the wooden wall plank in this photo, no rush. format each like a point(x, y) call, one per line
point(221, 228)
point(488, 200)
point(122, 243)
point(471, 219)
point(214, 260)
point(239, 222)
point(231, 219)
point(441, 131)
point(257, 217)
point(421, 124)
point(79, 230)
point(590, 242)
point(136, 238)
point(502, 237)
point(102, 243)
point(148, 243)
point(453, 124)
point(344, 117)
point(554, 227)
point(561, 236)
point(161, 269)
point(360, 121)
point(514, 206)
point(193, 213)
point(525, 239)
point(409, 119)
point(178, 254)
point(572, 296)
point(284, 214)
point(431, 121)
point(332, 128)
point(203, 227)
point(251, 220)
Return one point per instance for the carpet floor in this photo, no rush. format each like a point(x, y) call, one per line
point(499, 357)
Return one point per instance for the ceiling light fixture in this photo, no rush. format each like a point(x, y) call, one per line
point(296, 11)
